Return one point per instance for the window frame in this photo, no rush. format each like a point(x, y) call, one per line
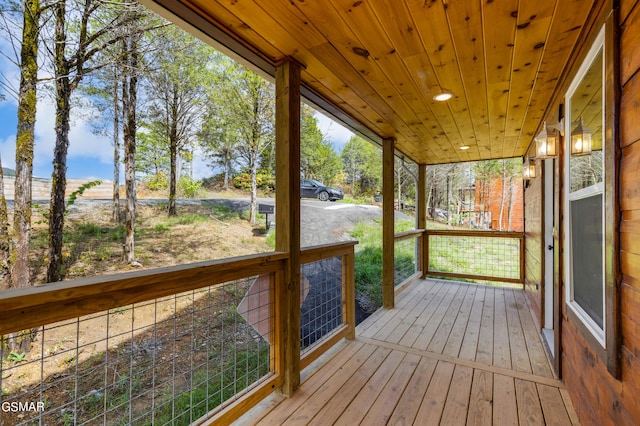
point(599, 333)
point(606, 344)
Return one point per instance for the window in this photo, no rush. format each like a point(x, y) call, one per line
point(585, 214)
point(590, 202)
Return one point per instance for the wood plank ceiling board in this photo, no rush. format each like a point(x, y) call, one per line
point(568, 19)
point(378, 63)
point(359, 16)
point(531, 32)
point(365, 64)
point(465, 26)
point(499, 40)
point(234, 26)
point(299, 45)
point(434, 30)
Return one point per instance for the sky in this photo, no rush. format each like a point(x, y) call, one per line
point(90, 155)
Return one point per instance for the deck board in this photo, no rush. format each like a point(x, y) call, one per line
point(448, 353)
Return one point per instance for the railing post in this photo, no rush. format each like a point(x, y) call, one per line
point(349, 293)
point(288, 221)
point(426, 253)
point(421, 210)
point(387, 223)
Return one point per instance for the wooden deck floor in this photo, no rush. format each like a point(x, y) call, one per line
point(450, 353)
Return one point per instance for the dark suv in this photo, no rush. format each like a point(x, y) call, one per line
point(310, 188)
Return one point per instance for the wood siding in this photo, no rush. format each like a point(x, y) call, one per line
point(599, 398)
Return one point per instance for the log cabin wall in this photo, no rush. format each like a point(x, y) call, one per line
point(532, 244)
point(599, 398)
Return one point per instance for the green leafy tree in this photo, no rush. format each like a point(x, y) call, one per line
point(176, 92)
point(80, 33)
point(245, 104)
point(362, 166)
point(152, 151)
point(318, 159)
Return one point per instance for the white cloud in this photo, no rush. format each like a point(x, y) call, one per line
point(336, 133)
point(83, 143)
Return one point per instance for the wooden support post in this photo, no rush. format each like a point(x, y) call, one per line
point(349, 294)
point(421, 217)
point(287, 297)
point(387, 223)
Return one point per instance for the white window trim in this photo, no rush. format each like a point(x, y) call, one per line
point(599, 333)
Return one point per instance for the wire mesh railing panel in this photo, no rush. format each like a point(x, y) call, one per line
point(171, 360)
point(404, 260)
point(321, 297)
point(491, 257)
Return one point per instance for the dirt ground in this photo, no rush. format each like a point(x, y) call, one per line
point(93, 246)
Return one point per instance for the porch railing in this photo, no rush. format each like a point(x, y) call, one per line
point(173, 345)
point(476, 255)
point(406, 259)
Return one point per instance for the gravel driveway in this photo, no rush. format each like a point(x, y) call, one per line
point(320, 222)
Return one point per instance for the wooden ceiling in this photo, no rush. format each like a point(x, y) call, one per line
point(381, 61)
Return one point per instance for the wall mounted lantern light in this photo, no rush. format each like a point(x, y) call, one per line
point(581, 140)
point(528, 169)
point(547, 141)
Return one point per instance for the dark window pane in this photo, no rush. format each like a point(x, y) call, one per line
point(586, 244)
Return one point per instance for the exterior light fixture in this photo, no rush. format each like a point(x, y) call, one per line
point(581, 140)
point(445, 95)
point(464, 147)
point(528, 169)
point(547, 141)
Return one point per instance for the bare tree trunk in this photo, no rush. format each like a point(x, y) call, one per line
point(254, 189)
point(5, 240)
point(227, 169)
point(173, 155)
point(116, 146)
point(510, 204)
point(502, 195)
point(59, 176)
point(129, 98)
point(27, 100)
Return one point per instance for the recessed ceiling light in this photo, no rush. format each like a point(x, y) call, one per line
point(444, 96)
point(464, 147)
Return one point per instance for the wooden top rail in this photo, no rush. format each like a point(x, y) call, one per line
point(408, 234)
point(30, 307)
point(326, 251)
point(484, 234)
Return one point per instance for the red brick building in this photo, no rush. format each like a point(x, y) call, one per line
point(492, 196)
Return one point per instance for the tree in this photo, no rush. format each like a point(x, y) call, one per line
point(152, 152)
point(27, 102)
point(509, 173)
point(406, 176)
point(176, 92)
point(5, 238)
point(246, 106)
point(318, 160)
point(129, 103)
point(79, 35)
point(362, 166)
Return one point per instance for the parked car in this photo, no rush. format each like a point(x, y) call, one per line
point(310, 188)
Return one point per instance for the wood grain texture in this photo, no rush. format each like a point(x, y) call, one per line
point(387, 223)
point(380, 63)
point(384, 380)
